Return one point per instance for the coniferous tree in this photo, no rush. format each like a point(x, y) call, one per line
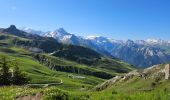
point(9, 76)
point(19, 78)
point(5, 77)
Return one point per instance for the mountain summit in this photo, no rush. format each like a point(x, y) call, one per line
point(13, 30)
point(12, 27)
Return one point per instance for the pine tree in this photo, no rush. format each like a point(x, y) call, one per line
point(5, 77)
point(18, 77)
point(8, 77)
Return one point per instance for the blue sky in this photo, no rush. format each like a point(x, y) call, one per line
point(118, 19)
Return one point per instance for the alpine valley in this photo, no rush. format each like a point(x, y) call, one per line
point(140, 53)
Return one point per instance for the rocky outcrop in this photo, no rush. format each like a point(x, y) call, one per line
point(155, 72)
point(107, 83)
point(51, 63)
point(167, 71)
point(130, 75)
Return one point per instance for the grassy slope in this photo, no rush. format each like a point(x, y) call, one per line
point(133, 89)
point(39, 73)
point(136, 89)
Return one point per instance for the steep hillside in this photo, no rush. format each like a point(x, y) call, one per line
point(147, 84)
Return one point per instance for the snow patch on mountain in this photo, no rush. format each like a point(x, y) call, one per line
point(32, 31)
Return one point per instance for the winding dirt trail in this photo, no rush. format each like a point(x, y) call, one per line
point(46, 85)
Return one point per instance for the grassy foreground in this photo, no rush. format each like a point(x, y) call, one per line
point(78, 89)
point(129, 92)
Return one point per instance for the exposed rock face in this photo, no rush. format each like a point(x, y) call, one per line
point(51, 63)
point(156, 71)
point(107, 83)
point(167, 71)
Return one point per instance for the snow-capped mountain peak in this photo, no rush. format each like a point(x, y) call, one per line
point(32, 31)
point(153, 41)
point(169, 41)
point(142, 42)
point(63, 31)
point(98, 39)
point(60, 35)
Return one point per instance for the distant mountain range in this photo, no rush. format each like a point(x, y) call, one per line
point(140, 53)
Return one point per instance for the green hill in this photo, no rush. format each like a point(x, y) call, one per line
point(55, 69)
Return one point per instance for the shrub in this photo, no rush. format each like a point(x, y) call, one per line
point(5, 75)
point(153, 84)
point(114, 92)
point(55, 94)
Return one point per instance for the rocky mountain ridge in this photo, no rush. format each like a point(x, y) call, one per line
point(141, 53)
